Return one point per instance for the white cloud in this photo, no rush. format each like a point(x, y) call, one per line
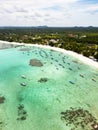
point(46, 12)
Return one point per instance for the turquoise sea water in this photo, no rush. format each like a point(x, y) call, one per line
point(38, 105)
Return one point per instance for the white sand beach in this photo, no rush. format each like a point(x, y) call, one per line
point(84, 59)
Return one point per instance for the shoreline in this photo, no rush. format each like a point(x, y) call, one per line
point(82, 58)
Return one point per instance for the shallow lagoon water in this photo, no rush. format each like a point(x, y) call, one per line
point(32, 103)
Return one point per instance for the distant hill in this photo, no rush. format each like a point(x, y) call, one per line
point(42, 26)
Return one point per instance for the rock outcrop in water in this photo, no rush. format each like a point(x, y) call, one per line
point(36, 62)
point(22, 114)
point(42, 80)
point(79, 119)
point(2, 99)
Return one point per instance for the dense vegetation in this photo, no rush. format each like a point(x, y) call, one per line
point(83, 40)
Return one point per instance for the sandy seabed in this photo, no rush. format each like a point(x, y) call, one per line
point(45, 97)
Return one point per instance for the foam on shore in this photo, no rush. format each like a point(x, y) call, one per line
point(82, 58)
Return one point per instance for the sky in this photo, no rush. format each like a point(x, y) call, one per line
point(57, 13)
